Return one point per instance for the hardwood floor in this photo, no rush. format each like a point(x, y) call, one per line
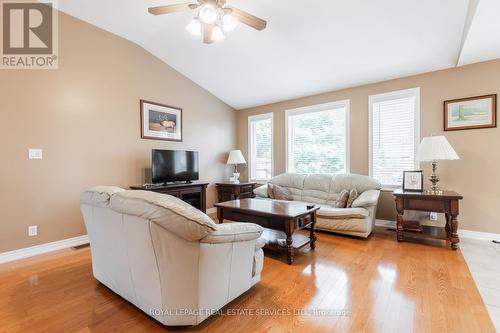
point(382, 285)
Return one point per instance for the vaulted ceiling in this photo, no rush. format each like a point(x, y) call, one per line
point(309, 46)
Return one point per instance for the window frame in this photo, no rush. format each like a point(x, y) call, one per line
point(391, 95)
point(263, 116)
point(346, 103)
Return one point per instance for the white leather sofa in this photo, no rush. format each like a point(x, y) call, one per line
point(166, 257)
point(324, 190)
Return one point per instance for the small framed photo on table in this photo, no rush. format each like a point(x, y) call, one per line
point(413, 181)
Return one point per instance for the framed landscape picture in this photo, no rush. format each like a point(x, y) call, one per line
point(160, 122)
point(470, 113)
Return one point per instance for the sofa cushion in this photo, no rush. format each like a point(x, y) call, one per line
point(279, 192)
point(171, 213)
point(316, 188)
point(289, 180)
point(349, 181)
point(99, 195)
point(353, 194)
point(342, 199)
point(347, 225)
point(342, 213)
point(367, 199)
point(233, 232)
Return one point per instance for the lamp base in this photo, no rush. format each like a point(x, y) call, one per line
point(235, 179)
point(434, 192)
point(434, 179)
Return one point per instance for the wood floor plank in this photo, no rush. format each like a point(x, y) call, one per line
point(384, 286)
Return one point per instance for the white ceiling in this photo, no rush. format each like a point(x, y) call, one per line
point(483, 38)
point(308, 47)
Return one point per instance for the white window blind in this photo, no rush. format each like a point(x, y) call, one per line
point(260, 146)
point(317, 139)
point(394, 135)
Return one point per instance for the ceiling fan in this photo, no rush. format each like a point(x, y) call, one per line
point(213, 18)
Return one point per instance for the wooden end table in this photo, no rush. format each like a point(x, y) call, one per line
point(446, 203)
point(232, 191)
point(277, 217)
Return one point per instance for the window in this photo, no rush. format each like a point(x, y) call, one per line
point(260, 146)
point(317, 139)
point(394, 135)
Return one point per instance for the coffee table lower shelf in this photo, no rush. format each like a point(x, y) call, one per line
point(276, 240)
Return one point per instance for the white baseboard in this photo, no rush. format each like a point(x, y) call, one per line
point(461, 232)
point(43, 248)
point(489, 236)
point(212, 210)
point(385, 223)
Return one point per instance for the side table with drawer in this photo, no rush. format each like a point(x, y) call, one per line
point(231, 191)
point(445, 202)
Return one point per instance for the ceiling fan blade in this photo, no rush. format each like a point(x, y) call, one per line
point(182, 7)
point(248, 19)
point(207, 33)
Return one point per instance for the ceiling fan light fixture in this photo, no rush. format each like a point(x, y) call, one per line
point(217, 34)
point(194, 27)
point(229, 22)
point(208, 14)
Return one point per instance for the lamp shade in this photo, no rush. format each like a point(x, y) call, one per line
point(236, 157)
point(435, 148)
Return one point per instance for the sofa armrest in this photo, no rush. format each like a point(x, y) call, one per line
point(366, 199)
point(261, 191)
point(233, 232)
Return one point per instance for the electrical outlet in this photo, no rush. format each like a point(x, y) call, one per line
point(433, 216)
point(32, 230)
point(35, 154)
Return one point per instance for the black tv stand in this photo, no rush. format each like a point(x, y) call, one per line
point(193, 193)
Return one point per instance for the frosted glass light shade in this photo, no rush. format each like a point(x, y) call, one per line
point(194, 27)
point(229, 23)
point(208, 14)
point(236, 157)
point(217, 34)
point(435, 148)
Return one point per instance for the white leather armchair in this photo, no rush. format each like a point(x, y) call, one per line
point(166, 257)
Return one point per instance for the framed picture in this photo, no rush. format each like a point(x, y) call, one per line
point(470, 113)
point(413, 181)
point(160, 122)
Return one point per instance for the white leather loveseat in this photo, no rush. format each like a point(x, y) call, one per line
point(324, 190)
point(166, 257)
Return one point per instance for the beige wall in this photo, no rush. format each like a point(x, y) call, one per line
point(476, 175)
point(85, 117)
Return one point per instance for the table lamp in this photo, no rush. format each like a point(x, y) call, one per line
point(434, 149)
point(235, 157)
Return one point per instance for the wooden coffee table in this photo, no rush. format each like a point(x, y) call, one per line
point(280, 218)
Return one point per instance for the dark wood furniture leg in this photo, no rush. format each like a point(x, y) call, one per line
point(289, 249)
point(454, 232)
point(399, 219)
point(219, 215)
point(289, 240)
point(448, 225)
point(312, 235)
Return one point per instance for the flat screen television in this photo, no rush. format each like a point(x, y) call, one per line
point(174, 166)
